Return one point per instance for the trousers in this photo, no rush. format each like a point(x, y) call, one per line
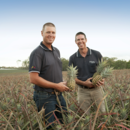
point(49, 102)
point(87, 96)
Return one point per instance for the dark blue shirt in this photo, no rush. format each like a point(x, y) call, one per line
point(47, 63)
point(86, 65)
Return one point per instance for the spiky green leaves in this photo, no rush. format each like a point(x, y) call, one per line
point(103, 71)
point(101, 66)
point(107, 72)
point(71, 74)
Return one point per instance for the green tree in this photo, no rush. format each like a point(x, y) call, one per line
point(65, 63)
point(111, 61)
point(25, 63)
point(128, 65)
point(120, 64)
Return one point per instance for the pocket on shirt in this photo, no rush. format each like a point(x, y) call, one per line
point(92, 67)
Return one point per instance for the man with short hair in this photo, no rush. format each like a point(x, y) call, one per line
point(45, 69)
point(86, 61)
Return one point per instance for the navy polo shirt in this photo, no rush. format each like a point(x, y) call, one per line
point(86, 65)
point(47, 63)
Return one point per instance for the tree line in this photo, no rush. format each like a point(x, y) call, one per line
point(113, 62)
point(117, 64)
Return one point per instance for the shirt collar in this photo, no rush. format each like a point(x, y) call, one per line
point(45, 48)
point(88, 53)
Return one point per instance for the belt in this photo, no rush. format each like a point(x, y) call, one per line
point(40, 91)
point(85, 87)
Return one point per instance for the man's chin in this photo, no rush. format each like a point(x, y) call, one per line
point(81, 48)
point(49, 43)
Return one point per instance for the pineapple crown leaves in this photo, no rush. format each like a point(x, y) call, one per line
point(102, 64)
point(72, 71)
point(103, 71)
point(107, 72)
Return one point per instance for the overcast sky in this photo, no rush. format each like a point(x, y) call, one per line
point(106, 24)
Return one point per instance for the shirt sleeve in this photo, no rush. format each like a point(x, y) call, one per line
point(35, 63)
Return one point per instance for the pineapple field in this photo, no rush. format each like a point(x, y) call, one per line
point(18, 110)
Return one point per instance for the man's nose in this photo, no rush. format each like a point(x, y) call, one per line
point(51, 34)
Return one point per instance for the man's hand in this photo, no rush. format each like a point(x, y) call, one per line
point(100, 83)
point(62, 87)
point(88, 83)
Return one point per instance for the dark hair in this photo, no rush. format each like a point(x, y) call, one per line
point(47, 24)
point(80, 33)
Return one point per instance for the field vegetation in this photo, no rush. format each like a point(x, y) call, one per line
point(18, 110)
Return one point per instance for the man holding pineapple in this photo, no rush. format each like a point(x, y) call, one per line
point(45, 69)
point(86, 61)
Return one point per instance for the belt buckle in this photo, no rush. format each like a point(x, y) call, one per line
point(85, 87)
point(57, 93)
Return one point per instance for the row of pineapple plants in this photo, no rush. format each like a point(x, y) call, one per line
point(18, 110)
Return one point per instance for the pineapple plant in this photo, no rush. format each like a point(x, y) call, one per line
point(71, 74)
point(103, 71)
point(100, 67)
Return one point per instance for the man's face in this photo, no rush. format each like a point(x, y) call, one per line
point(49, 34)
point(81, 41)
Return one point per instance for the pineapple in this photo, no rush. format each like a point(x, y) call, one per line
point(103, 71)
point(71, 74)
point(100, 67)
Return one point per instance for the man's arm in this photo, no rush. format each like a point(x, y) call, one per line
point(35, 79)
point(88, 83)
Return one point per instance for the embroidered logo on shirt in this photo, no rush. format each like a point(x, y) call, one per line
point(91, 61)
point(33, 67)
